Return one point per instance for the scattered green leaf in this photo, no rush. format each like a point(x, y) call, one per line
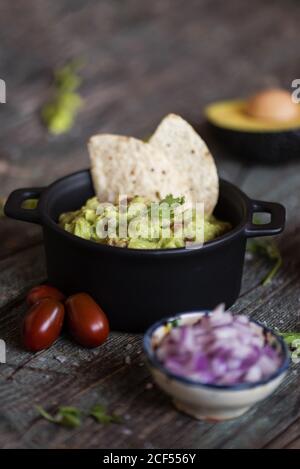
point(45, 414)
point(99, 413)
point(30, 204)
point(174, 323)
point(67, 78)
point(70, 417)
point(2, 202)
point(66, 416)
point(290, 337)
point(59, 114)
point(258, 219)
point(170, 200)
point(268, 249)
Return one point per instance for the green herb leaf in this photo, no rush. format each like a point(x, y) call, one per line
point(66, 416)
point(174, 323)
point(290, 337)
point(30, 204)
point(257, 219)
point(101, 416)
point(69, 417)
point(2, 203)
point(170, 200)
point(273, 272)
point(45, 414)
point(269, 250)
point(67, 78)
point(59, 114)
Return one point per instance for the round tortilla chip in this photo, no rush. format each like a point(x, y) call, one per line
point(189, 154)
point(127, 166)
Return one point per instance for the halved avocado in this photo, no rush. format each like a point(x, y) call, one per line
point(267, 141)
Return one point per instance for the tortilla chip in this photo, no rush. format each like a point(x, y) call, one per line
point(126, 166)
point(188, 153)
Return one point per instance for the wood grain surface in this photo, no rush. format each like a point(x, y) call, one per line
point(141, 61)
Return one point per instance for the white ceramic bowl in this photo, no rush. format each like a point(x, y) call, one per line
point(210, 401)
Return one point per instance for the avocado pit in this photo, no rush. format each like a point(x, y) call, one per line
point(274, 105)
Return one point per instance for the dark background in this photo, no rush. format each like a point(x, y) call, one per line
point(143, 59)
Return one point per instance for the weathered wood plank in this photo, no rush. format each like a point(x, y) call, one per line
point(288, 439)
point(145, 60)
point(53, 381)
point(16, 235)
point(19, 272)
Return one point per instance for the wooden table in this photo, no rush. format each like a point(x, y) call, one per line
point(142, 60)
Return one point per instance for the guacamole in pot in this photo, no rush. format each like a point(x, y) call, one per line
point(138, 223)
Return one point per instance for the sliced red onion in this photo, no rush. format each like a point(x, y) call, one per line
point(231, 377)
point(220, 349)
point(253, 374)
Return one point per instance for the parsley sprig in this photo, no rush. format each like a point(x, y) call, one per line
point(170, 200)
point(66, 416)
point(268, 249)
point(71, 417)
point(59, 113)
point(290, 337)
point(99, 413)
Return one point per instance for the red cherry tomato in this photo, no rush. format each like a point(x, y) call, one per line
point(42, 324)
point(43, 291)
point(86, 321)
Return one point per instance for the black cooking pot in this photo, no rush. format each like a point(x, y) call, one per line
point(138, 287)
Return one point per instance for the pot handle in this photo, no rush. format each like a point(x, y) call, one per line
point(13, 207)
point(276, 224)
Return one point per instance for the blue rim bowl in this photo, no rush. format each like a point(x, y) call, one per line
point(154, 362)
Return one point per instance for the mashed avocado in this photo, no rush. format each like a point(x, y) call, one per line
point(141, 225)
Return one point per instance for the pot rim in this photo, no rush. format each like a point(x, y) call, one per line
point(221, 240)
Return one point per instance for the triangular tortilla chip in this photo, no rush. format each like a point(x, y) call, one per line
point(188, 153)
point(126, 166)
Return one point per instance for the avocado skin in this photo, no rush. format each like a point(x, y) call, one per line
point(263, 147)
